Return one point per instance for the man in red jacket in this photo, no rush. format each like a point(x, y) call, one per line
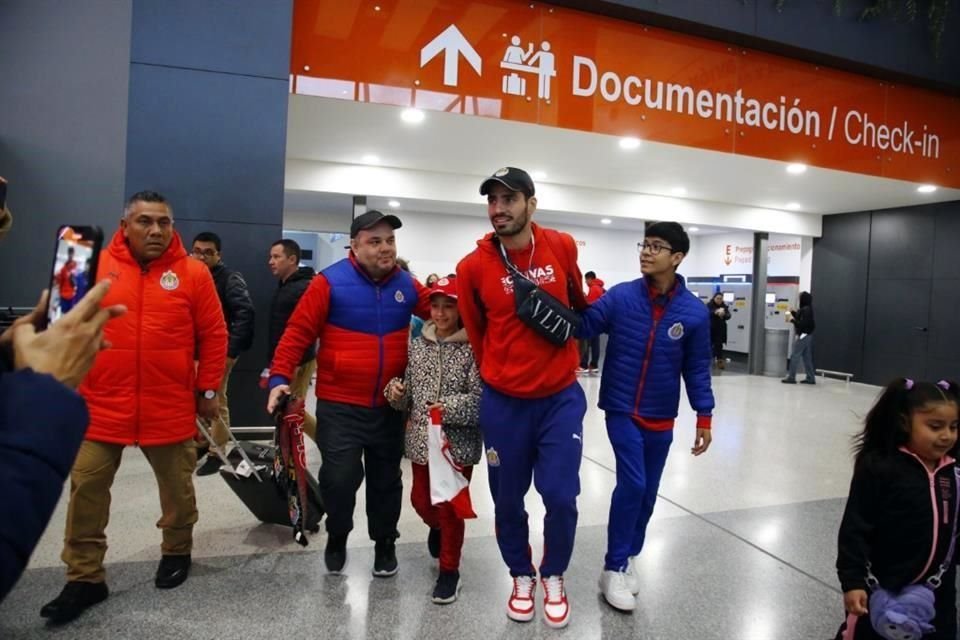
point(590, 348)
point(146, 392)
point(359, 308)
point(532, 408)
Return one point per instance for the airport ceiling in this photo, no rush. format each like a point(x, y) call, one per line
point(345, 132)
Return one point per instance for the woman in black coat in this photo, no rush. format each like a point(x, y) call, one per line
point(719, 314)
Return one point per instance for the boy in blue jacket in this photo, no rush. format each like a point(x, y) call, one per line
point(658, 331)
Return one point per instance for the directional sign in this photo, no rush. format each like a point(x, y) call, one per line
point(452, 44)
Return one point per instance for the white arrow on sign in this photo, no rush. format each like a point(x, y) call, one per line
point(452, 44)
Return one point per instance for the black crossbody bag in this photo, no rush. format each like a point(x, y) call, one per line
point(536, 308)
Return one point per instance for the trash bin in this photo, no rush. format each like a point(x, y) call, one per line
point(776, 345)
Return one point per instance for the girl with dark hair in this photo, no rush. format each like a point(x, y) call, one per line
point(896, 560)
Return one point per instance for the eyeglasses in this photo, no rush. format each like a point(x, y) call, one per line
point(654, 248)
point(204, 253)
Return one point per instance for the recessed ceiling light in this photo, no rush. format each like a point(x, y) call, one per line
point(678, 191)
point(693, 229)
point(371, 158)
point(394, 204)
point(796, 168)
point(926, 188)
point(793, 206)
point(629, 143)
point(412, 116)
point(539, 175)
point(606, 221)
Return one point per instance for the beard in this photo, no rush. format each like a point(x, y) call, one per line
point(514, 227)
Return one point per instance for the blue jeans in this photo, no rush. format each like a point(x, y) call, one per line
point(802, 350)
point(641, 456)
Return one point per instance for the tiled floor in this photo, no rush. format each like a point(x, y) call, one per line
point(741, 546)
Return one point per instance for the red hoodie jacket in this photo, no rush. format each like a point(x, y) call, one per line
point(512, 357)
point(595, 291)
point(142, 390)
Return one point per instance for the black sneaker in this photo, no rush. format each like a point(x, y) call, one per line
point(210, 466)
point(789, 381)
point(335, 555)
point(433, 543)
point(808, 381)
point(385, 559)
point(75, 598)
point(173, 570)
point(448, 586)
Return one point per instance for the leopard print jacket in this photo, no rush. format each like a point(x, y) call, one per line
point(442, 371)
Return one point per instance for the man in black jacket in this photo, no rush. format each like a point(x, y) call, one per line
point(293, 282)
point(239, 314)
point(803, 325)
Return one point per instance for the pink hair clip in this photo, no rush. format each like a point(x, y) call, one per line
point(943, 384)
point(908, 383)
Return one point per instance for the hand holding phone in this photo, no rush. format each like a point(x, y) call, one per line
point(74, 268)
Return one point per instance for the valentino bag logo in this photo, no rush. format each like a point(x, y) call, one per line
point(398, 296)
point(676, 331)
point(169, 281)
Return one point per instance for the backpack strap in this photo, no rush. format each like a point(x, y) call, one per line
point(574, 292)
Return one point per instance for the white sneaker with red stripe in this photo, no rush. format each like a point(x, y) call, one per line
point(520, 606)
point(556, 609)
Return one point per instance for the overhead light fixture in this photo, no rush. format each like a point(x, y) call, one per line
point(629, 143)
point(412, 116)
point(539, 175)
point(693, 229)
point(606, 221)
point(926, 188)
point(394, 204)
point(678, 191)
point(796, 168)
point(793, 206)
point(371, 158)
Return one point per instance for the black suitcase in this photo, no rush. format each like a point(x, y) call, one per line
point(264, 497)
point(260, 491)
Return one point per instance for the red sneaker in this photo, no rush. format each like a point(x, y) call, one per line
point(520, 606)
point(556, 609)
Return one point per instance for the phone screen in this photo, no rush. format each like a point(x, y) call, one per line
point(74, 268)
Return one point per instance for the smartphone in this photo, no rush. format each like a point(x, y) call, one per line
point(74, 271)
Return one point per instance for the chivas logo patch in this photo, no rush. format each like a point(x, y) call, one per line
point(493, 458)
point(676, 331)
point(398, 296)
point(169, 281)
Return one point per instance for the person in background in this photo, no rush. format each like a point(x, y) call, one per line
point(66, 284)
point(590, 348)
point(803, 326)
point(146, 392)
point(239, 314)
point(441, 376)
point(292, 283)
point(416, 324)
point(719, 314)
point(432, 280)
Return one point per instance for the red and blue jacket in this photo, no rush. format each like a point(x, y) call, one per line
point(654, 340)
point(363, 329)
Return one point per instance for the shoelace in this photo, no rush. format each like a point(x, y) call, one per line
point(523, 587)
point(554, 588)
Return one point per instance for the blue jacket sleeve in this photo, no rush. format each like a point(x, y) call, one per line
point(596, 318)
point(42, 424)
point(696, 368)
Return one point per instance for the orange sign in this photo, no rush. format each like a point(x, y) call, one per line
point(531, 62)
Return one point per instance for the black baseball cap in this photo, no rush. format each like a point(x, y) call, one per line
point(372, 218)
point(512, 178)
